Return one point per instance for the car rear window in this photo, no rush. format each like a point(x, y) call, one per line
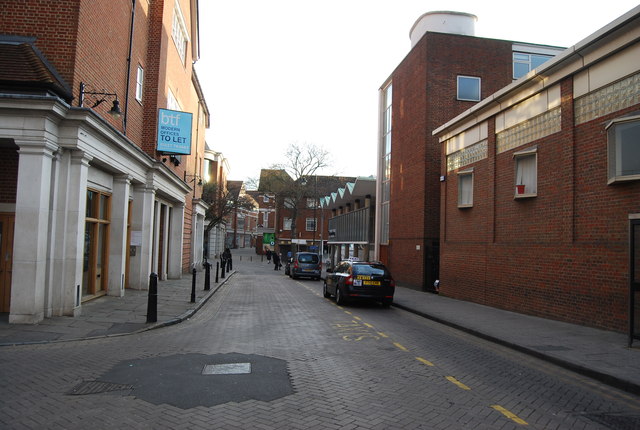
point(370, 269)
point(308, 258)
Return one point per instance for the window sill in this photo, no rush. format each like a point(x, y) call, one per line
point(618, 179)
point(465, 206)
point(525, 196)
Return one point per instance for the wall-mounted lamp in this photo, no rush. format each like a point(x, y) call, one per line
point(192, 178)
point(115, 109)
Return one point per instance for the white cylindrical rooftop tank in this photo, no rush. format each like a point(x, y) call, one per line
point(443, 22)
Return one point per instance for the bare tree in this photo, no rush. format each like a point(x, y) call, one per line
point(223, 203)
point(290, 180)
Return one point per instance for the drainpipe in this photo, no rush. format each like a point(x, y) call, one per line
point(126, 96)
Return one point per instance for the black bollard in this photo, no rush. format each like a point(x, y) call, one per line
point(207, 276)
point(152, 303)
point(217, 268)
point(224, 263)
point(193, 286)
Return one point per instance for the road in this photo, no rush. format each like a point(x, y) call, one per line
point(269, 352)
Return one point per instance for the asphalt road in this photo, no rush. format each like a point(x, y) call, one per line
point(270, 352)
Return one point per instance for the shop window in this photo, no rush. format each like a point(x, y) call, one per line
point(526, 164)
point(623, 140)
point(96, 244)
point(465, 188)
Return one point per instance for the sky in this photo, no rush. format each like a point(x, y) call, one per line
point(282, 72)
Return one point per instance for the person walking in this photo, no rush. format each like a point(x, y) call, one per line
point(268, 256)
point(276, 261)
point(228, 259)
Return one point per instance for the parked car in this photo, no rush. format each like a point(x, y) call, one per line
point(304, 264)
point(356, 280)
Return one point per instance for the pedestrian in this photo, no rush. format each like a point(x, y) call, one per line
point(228, 259)
point(268, 256)
point(276, 261)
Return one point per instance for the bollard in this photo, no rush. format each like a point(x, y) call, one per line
point(207, 276)
point(224, 264)
point(152, 303)
point(193, 286)
point(217, 268)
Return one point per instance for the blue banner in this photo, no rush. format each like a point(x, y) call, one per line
point(174, 131)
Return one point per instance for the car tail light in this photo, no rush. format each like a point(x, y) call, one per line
point(392, 282)
point(295, 265)
point(349, 280)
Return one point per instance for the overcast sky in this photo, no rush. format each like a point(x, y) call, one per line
point(301, 71)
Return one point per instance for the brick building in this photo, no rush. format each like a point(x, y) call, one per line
point(90, 205)
point(540, 202)
point(447, 71)
point(299, 199)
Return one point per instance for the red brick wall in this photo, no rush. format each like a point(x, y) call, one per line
point(424, 97)
point(561, 255)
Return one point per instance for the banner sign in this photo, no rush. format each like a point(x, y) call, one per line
point(174, 131)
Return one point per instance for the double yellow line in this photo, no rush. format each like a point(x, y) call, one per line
point(451, 379)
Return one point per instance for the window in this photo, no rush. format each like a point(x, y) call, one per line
point(179, 32)
point(469, 88)
point(385, 162)
point(265, 198)
point(523, 63)
point(96, 244)
point(139, 83)
point(623, 140)
point(312, 203)
point(311, 224)
point(265, 219)
point(286, 224)
point(288, 202)
point(465, 188)
point(526, 173)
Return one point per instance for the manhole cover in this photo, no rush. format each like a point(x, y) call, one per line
point(227, 369)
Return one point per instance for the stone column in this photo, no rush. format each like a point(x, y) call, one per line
point(174, 241)
point(31, 231)
point(73, 236)
point(118, 235)
point(142, 236)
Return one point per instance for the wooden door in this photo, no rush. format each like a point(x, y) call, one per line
point(7, 222)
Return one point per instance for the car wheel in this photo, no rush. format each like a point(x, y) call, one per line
point(340, 300)
point(325, 293)
point(387, 303)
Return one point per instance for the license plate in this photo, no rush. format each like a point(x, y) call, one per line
point(370, 282)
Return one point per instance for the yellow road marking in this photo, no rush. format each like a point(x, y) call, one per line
point(368, 325)
point(400, 346)
point(423, 361)
point(509, 415)
point(347, 312)
point(382, 334)
point(458, 383)
point(357, 318)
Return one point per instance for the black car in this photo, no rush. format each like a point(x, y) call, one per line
point(304, 264)
point(354, 280)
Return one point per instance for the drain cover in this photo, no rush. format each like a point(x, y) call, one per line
point(227, 369)
point(96, 387)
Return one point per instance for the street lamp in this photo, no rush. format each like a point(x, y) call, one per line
point(115, 109)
